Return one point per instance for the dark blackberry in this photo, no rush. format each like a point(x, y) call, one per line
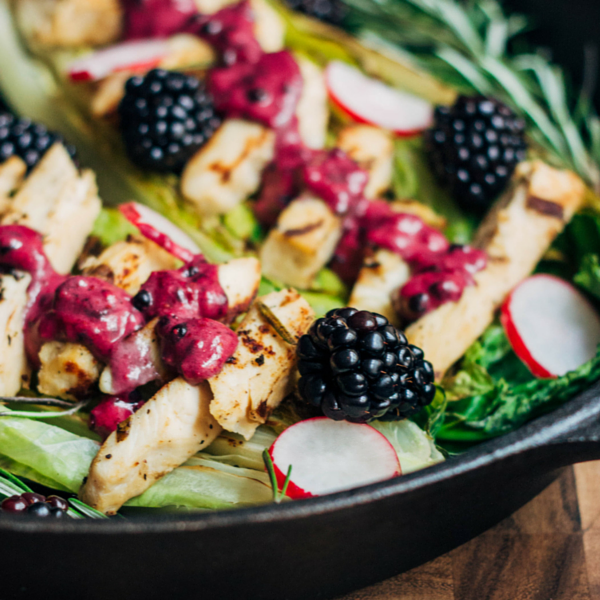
point(166, 117)
point(330, 11)
point(355, 366)
point(27, 140)
point(474, 147)
point(36, 505)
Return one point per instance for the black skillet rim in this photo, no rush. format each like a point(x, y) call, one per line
point(543, 431)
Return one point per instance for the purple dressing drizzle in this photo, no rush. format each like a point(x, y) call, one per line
point(92, 312)
point(156, 18)
point(197, 348)
point(102, 317)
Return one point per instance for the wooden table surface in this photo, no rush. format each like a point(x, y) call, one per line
point(548, 550)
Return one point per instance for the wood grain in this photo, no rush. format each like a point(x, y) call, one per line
point(548, 550)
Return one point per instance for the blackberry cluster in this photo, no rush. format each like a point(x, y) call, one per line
point(330, 11)
point(36, 505)
point(355, 366)
point(166, 117)
point(27, 140)
point(474, 147)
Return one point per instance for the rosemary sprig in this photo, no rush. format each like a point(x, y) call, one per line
point(85, 510)
point(465, 44)
point(278, 495)
point(43, 415)
point(11, 485)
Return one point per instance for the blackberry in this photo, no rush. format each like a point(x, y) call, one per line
point(27, 140)
point(166, 117)
point(36, 505)
point(330, 11)
point(474, 147)
point(355, 366)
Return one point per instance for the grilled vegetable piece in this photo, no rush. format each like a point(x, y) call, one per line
point(515, 235)
point(14, 370)
point(228, 168)
point(260, 373)
point(60, 203)
point(67, 370)
point(313, 108)
point(129, 263)
point(373, 149)
point(170, 428)
point(12, 172)
point(239, 279)
point(301, 243)
point(382, 273)
point(69, 23)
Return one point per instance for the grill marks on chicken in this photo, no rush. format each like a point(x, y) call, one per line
point(515, 235)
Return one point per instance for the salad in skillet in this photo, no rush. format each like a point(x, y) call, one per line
point(317, 266)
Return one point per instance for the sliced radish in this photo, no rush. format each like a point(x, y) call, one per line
point(160, 230)
point(551, 326)
point(329, 456)
point(371, 101)
point(138, 55)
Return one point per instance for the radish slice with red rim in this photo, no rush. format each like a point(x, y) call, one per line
point(138, 55)
point(370, 101)
point(160, 230)
point(330, 456)
point(551, 326)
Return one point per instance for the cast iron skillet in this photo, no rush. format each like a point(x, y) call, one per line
point(321, 547)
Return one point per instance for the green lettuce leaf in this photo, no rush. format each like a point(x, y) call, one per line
point(415, 448)
point(207, 483)
point(53, 453)
point(112, 227)
point(588, 276)
point(493, 393)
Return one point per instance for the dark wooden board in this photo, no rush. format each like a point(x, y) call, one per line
point(548, 550)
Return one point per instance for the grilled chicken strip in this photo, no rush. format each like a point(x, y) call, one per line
point(301, 243)
point(260, 373)
point(14, 370)
point(373, 149)
point(67, 370)
point(69, 23)
point(228, 168)
point(313, 107)
point(62, 204)
point(129, 263)
point(382, 273)
point(515, 234)
point(239, 279)
point(171, 427)
point(12, 173)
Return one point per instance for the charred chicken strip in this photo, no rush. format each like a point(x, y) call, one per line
point(170, 428)
point(515, 235)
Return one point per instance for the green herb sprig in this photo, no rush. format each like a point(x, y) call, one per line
point(278, 495)
point(13, 486)
point(466, 45)
point(74, 408)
